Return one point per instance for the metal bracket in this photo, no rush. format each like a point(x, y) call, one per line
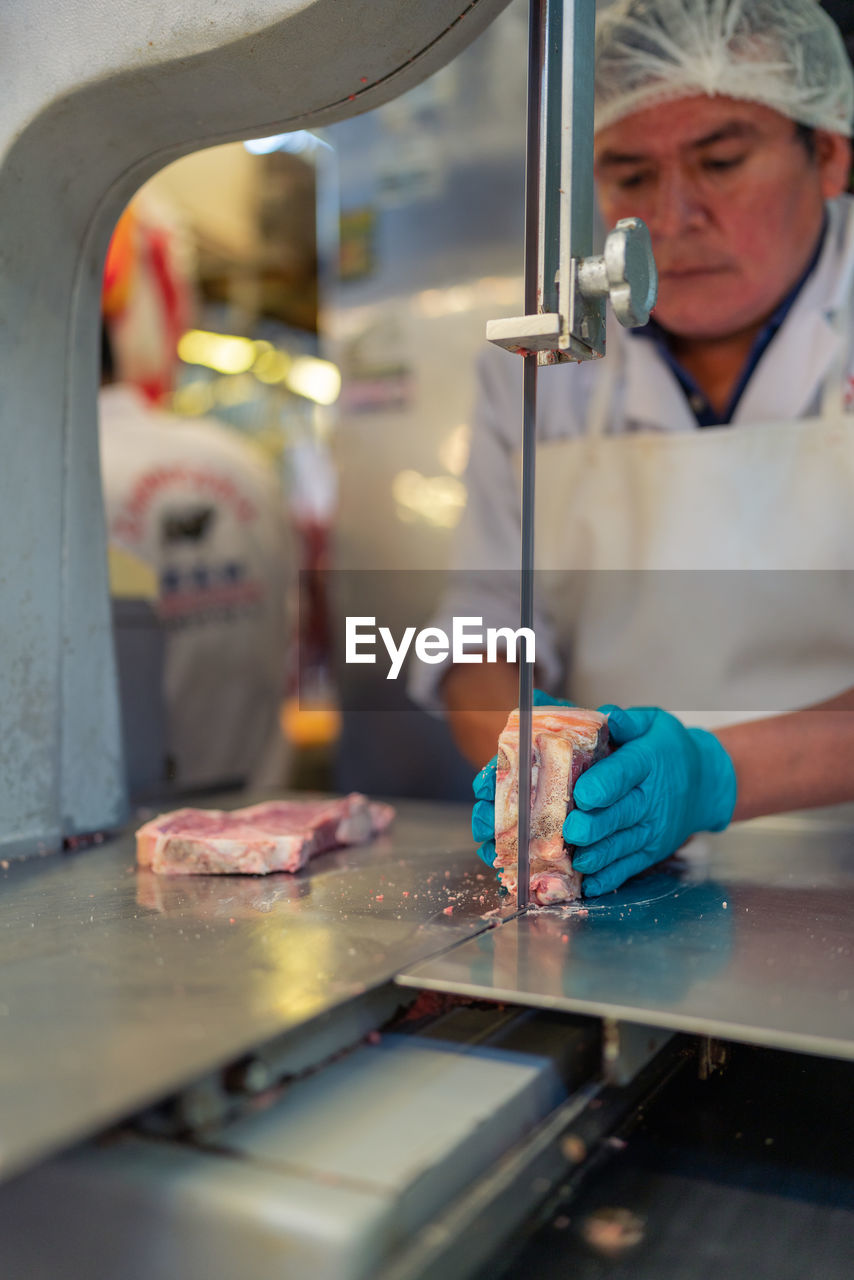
point(568, 321)
point(625, 274)
point(627, 1047)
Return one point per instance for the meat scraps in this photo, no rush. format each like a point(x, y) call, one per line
point(279, 835)
point(565, 741)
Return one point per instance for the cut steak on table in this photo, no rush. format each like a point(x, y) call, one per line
point(564, 742)
point(279, 835)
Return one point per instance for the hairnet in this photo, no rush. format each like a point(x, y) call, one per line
point(785, 54)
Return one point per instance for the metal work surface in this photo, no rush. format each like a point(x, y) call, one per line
point(118, 986)
point(749, 936)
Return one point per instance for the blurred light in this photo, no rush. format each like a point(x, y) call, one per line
point(265, 146)
point(193, 399)
point(459, 298)
point(271, 440)
point(429, 302)
point(489, 291)
point(406, 486)
point(272, 366)
point(437, 500)
point(318, 380)
point(221, 351)
point(505, 291)
point(297, 143)
point(310, 725)
point(235, 390)
point(454, 449)
point(445, 302)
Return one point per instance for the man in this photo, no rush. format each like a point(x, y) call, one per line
point(190, 498)
point(717, 439)
point(204, 509)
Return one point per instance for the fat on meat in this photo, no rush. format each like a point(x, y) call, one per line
point(278, 835)
point(564, 742)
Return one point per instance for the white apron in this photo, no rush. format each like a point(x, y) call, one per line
point(709, 561)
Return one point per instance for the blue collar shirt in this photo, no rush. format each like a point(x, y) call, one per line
point(704, 413)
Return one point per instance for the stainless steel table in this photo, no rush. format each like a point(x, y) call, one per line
point(749, 936)
point(119, 986)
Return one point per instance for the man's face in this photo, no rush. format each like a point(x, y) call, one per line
point(733, 200)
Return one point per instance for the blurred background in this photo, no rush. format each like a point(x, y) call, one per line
point(297, 320)
point(321, 298)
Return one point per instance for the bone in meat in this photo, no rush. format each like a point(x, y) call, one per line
point(279, 835)
point(564, 742)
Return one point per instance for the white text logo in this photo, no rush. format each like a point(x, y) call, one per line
point(468, 642)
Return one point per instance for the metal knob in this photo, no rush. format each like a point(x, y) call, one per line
point(625, 273)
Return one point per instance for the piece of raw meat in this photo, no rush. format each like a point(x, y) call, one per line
point(279, 835)
point(564, 742)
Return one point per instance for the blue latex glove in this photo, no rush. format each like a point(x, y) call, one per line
point(483, 812)
point(641, 803)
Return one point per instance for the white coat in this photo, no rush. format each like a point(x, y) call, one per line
point(206, 512)
point(635, 509)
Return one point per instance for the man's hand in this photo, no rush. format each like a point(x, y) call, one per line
point(483, 813)
point(638, 805)
point(478, 700)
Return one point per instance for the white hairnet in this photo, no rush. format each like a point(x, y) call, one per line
point(785, 54)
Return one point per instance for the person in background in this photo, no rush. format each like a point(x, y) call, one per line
point(205, 510)
point(720, 437)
